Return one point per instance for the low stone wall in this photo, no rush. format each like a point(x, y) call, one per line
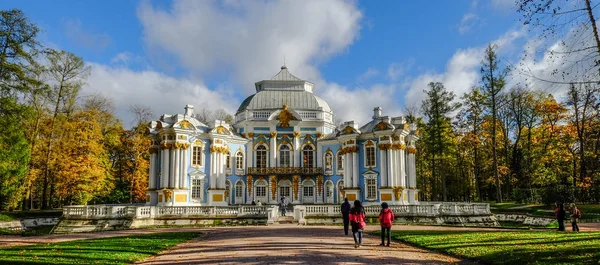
point(28, 223)
point(467, 214)
point(524, 219)
point(78, 219)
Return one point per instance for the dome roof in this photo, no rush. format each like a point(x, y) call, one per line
point(284, 88)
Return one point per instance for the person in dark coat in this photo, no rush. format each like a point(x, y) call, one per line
point(560, 217)
point(346, 214)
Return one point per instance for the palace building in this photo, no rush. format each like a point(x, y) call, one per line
point(283, 142)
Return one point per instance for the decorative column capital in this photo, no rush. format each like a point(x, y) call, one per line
point(273, 134)
point(296, 134)
point(412, 150)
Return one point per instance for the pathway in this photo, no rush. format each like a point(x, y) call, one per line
point(292, 244)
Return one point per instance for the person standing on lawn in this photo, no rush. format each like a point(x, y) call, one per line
point(386, 217)
point(357, 220)
point(346, 207)
point(560, 217)
point(575, 215)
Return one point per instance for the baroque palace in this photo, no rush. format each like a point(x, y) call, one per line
point(283, 142)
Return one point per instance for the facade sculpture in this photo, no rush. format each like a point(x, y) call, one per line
point(283, 142)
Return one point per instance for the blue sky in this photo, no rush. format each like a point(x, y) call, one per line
point(360, 54)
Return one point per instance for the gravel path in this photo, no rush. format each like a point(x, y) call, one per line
point(292, 244)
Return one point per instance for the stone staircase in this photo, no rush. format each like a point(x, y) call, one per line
point(285, 220)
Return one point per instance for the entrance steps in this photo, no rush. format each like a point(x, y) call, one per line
point(285, 220)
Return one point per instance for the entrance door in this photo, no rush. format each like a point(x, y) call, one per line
point(308, 191)
point(239, 192)
point(284, 191)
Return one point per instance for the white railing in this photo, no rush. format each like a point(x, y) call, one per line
point(427, 209)
point(122, 211)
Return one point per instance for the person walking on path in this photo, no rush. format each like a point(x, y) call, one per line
point(560, 217)
point(357, 220)
point(386, 217)
point(575, 215)
point(346, 214)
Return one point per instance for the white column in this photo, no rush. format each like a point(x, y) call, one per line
point(165, 168)
point(355, 168)
point(172, 167)
point(223, 165)
point(297, 160)
point(412, 170)
point(249, 153)
point(402, 166)
point(219, 169)
point(177, 168)
point(184, 175)
point(347, 169)
point(213, 170)
point(390, 165)
point(383, 168)
point(152, 177)
point(273, 151)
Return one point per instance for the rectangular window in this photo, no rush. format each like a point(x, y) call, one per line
point(370, 153)
point(340, 162)
point(284, 191)
point(197, 189)
point(239, 161)
point(228, 161)
point(261, 191)
point(197, 156)
point(284, 158)
point(371, 189)
point(239, 191)
point(308, 191)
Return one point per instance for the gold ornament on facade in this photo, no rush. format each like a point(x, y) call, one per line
point(412, 150)
point(348, 130)
point(165, 145)
point(186, 124)
point(319, 135)
point(243, 135)
point(406, 126)
point(168, 194)
point(152, 150)
point(273, 134)
point(159, 125)
point(250, 134)
point(296, 134)
point(396, 138)
point(296, 183)
point(249, 180)
point(385, 146)
point(285, 117)
point(199, 142)
point(382, 126)
point(385, 138)
point(370, 143)
point(273, 186)
point(398, 192)
point(319, 183)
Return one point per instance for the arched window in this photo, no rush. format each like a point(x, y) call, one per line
point(261, 156)
point(285, 156)
point(197, 155)
point(308, 156)
point(340, 162)
point(370, 156)
point(328, 161)
point(239, 161)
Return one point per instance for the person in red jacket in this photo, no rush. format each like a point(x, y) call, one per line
point(357, 220)
point(386, 217)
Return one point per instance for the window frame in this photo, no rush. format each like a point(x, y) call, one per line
point(370, 162)
point(289, 155)
point(310, 158)
point(197, 156)
point(261, 149)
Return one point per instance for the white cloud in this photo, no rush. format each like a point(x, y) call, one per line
point(462, 70)
point(468, 22)
point(370, 73)
point(397, 70)
point(162, 93)
point(358, 104)
point(248, 39)
point(504, 5)
point(84, 37)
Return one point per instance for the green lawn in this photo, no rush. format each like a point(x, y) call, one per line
point(519, 247)
point(114, 250)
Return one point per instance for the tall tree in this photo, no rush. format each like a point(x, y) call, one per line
point(437, 108)
point(492, 83)
point(68, 74)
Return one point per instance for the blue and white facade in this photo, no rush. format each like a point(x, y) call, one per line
point(283, 142)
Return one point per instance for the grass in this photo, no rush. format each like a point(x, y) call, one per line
point(552, 225)
point(589, 211)
point(114, 250)
point(519, 247)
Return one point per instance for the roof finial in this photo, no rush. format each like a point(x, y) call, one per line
point(283, 67)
